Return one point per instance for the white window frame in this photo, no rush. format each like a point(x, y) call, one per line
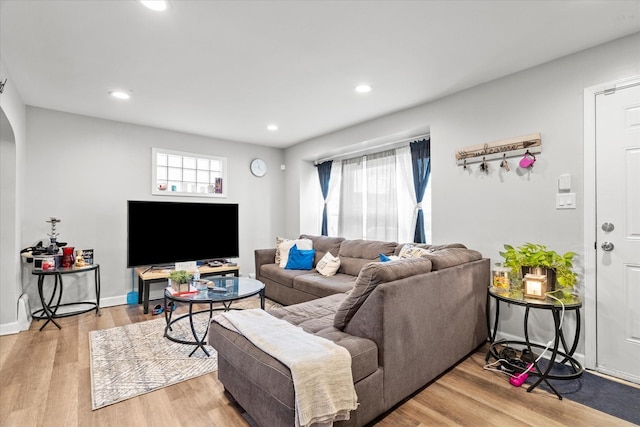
point(206, 176)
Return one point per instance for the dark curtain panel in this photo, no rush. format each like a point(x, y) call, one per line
point(421, 162)
point(324, 174)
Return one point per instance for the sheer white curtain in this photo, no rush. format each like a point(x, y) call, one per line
point(333, 198)
point(407, 210)
point(372, 197)
point(351, 218)
point(381, 205)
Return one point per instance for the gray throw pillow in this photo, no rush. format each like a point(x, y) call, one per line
point(371, 275)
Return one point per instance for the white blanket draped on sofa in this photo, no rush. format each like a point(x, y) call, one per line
point(320, 369)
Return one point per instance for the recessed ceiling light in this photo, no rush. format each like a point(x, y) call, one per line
point(119, 94)
point(272, 128)
point(157, 5)
point(363, 88)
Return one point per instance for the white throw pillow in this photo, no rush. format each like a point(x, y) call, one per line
point(410, 251)
point(328, 265)
point(279, 241)
point(286, 245)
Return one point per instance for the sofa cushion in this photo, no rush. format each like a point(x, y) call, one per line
point(316, 317)
point(354, 254)
point(321, 286)
point(282, 250)
point(451, 257)
point(328, 265)
point(324, 244)
point(371, 276)
point(280, 275)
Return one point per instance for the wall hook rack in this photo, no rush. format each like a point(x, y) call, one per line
point(512, 147)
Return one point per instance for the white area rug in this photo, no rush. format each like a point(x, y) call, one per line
point(131, 360)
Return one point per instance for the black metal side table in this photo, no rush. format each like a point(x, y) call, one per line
point(50, 308)
point(556, 309)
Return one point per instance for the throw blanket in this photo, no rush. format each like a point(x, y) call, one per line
point(320, 369)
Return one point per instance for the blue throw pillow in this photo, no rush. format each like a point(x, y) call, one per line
point(300, 259)
point(384, 258)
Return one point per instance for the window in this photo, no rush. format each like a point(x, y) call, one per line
point(186, 174)
point(372, 197)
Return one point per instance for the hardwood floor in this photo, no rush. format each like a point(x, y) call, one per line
point(45, 381)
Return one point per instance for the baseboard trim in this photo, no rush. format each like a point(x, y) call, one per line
point(9, 328)
point(24, 321)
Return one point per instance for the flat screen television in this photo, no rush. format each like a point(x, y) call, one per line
point(161, 233)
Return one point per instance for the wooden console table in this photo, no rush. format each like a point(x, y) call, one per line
point(145, 278)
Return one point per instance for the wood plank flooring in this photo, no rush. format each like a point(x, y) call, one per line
point(45, 381)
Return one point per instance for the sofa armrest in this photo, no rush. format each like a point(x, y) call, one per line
point(264, 256)
point(424, 324)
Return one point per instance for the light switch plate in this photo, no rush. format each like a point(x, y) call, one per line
point(564, 182)
point(566, 201)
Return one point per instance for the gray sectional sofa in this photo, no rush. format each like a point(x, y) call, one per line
point(404, 322)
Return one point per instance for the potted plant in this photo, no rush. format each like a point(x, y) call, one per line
point(530, 255)
point(180, 280)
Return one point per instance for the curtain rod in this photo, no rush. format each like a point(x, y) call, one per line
point(370, 150)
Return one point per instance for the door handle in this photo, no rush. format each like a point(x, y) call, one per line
point(607, 246)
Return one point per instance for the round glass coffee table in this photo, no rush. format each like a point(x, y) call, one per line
point(224, 290)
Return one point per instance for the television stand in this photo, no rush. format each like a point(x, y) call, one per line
point(149, 275)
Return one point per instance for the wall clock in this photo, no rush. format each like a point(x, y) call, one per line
point(258, 167)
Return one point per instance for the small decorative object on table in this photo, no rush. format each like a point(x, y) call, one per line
point(180, 280)
point(501, 276)
point(87, 255)
point(67, 257)
point(53, 236)
point(536, 286)
point(48, 263)
point(533, 260)
point(80, 262)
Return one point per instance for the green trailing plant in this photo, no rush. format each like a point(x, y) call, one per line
point(538, 256)
point(180, 276)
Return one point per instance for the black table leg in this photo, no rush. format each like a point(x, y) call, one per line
point(96, 278)
point(492, 334)
point(544, 375)
point(45, 306)
point(146, 298)
point(199, 342)
point(140, 289)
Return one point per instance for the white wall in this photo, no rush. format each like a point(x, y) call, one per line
point(12, 142)
point(486, 211)
point(83, 170)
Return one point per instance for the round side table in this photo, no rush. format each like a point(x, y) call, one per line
point(556, 310)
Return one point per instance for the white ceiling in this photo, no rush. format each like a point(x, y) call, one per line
point(226, 69)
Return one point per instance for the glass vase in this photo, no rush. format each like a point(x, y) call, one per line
point(67, 257)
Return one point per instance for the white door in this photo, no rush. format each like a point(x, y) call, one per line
point(618, 233)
